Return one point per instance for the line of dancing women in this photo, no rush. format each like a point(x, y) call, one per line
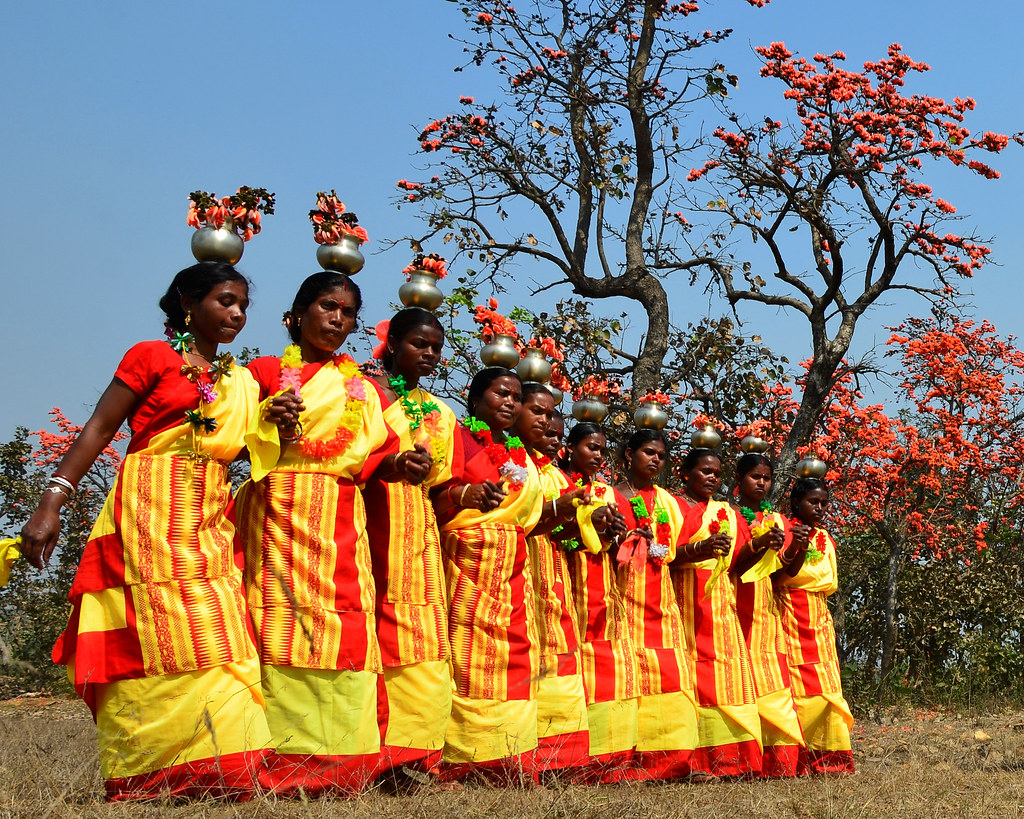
point(394, 590)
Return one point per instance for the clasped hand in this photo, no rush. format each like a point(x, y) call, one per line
point(483, 496)
point(714, 546)
point(284, 411)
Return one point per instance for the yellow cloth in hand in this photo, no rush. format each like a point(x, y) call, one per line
point(721, 567)
point(8, 554)
point(765, 567)
point(588, 534)
point(263, 441)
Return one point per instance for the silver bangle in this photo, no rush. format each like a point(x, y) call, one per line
point(59, 490)
point(62, 481)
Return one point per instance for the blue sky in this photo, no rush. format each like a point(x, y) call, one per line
point(114, 111)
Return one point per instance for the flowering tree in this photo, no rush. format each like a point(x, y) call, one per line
point(587, 140)
point(34, 607)
point(932, 497)
point(851, 168)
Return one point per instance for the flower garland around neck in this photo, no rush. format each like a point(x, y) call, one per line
point(816, 546)
point(720, 525)
point(351, 416)
point(510, 457)
point(425, 415)
point(596, 490)
point(749, 515)
point(572, 544)
point(658, 523)
point(183, 344)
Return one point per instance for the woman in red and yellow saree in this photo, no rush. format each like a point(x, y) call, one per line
point(158, 643)
point(302, 526)
point(485, 516)
point(415, 691)
point(607, 652)
point(807, 579)
point(762, 535)
point(729, 729)
point(563, 742)
point(667, 711)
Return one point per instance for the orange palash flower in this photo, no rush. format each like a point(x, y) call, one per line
point(702, 420)
point(656, 397)
point(598, 387)
point(548, 345)
point(431, 262)
point(243, 208)
point(493, 323)
point(331, 221)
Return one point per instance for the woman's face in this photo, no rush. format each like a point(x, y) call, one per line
point(646, 461)
point(704, 479)
point(535, 418)
point(553, 437)
point(220, 316)
point(587, 455)
point(499, 406)
point(811, 508)
point(327, 322)
point(754, 486)
point(416, 354)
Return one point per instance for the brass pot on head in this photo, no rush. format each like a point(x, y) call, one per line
point(752, 443)
point(500, 351)
point(811, 466)
point(210, 244)
point(706, 438)
point(650, 415)
point(534, 366)
point(343, 256)
point(421, 290)
point(589, 408)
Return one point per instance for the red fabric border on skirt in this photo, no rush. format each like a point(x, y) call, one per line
point(232, 776)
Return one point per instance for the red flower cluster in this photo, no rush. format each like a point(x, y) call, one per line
point(861, 125)
point(492, 322)
point(242, 211)
point(548, 345)
point(331, 221)
point(432, 262)
point(656, 397)
point(716, 525)
point(455, 132)
point(598, 387)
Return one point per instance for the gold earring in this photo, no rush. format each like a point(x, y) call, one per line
point(298, 321)
point(188, 318)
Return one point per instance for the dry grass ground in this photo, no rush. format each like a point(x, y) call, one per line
point(911, 764)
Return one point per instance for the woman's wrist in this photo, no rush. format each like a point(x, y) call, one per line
point(294, 437)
